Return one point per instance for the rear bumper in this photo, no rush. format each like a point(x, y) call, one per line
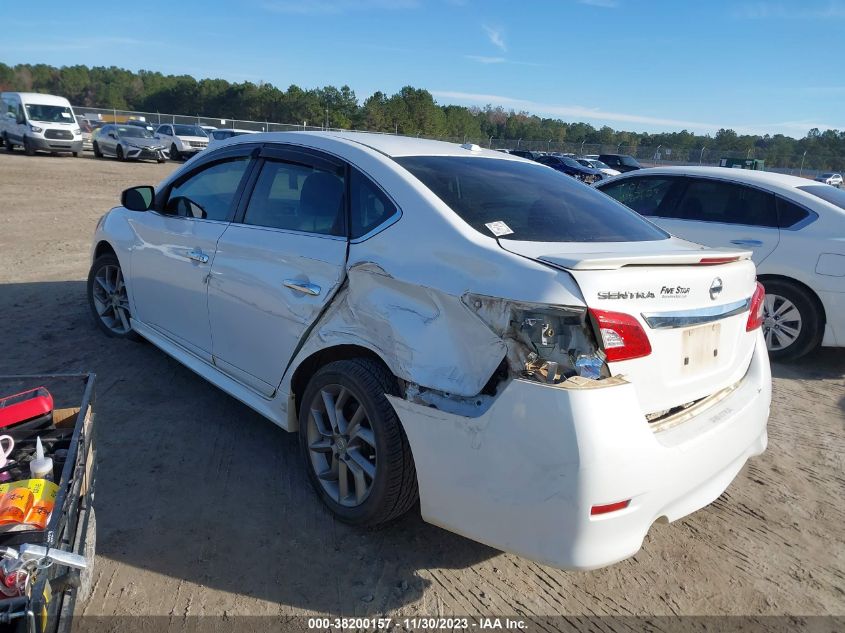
point(523, 476)
point(834, 307)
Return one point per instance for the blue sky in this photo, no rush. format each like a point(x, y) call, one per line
point(754, 66)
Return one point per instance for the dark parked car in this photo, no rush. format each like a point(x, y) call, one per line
point(524, 153)
point(571, 167)
point(620, 162)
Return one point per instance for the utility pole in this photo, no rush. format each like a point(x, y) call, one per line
point(801, 171)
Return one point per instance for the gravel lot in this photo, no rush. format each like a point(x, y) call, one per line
point(203, 507)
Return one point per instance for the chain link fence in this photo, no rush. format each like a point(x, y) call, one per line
point(648, 156)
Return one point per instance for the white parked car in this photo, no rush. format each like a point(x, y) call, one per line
point(595, 163)
point(830, 178)
point(218, 136)
point(546, 371)
point(182, 141)
point(795, 228)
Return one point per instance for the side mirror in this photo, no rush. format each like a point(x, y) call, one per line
point(10, 115)
point(138, 198)
point(113, 134)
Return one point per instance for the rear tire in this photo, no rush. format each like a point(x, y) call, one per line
point(793, 324)
point(368, 450)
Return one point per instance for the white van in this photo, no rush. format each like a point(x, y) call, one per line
point(38, 122)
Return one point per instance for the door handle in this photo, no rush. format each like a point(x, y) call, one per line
point(303, 286)
point(198, 256)
point(747, 242)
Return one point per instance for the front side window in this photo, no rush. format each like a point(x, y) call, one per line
point(210, 193)
point(297, 197)
point(535, 204)
point(369, 207)
point(726, 203)
point(646, 196)
point(164, 129)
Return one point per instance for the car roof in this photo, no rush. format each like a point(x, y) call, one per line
point(41, 98)
point(386, 144)
point(769, 179)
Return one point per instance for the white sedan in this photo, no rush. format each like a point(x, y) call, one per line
point(547, 372)
point(794, 226)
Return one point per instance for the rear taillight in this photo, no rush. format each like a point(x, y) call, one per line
point(623, 338)
point(757, 313)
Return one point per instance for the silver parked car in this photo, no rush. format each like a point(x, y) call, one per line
point(129, 142)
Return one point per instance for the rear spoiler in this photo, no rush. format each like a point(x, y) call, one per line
point(613, 261)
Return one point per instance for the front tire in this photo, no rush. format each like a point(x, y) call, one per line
point(793, 325)
point(27, 148)
point(97, 152)
point(354, 447)
point(9, 147)
point(119, 153)
point(174, 152)
point(108, 298)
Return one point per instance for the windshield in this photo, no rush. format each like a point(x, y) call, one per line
point(133, 131)
point(49, 113)
point(598, 164)
point(827, 193)
point(188, 130)
point(536, 204)
point(569, 162)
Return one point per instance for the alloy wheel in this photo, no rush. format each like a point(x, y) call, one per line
point(782, 322)
point(341, 445)
point(111, 300)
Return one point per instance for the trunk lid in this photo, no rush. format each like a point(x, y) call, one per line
point(693, 313)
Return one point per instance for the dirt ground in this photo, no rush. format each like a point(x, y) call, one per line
point(204, 508)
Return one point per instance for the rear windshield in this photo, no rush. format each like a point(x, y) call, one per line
point(827, 193)
point(536, 203)
point(629, 160)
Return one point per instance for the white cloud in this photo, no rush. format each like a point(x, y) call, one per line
point(327, 7)
point(790, 11)
point(482, 59)
point(604, 117)
point(496, 37)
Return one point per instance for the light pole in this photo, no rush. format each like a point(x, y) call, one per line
point(701, 155)
point(617, 147)
point(800, 171)
point(549, 146)
point(518, 141)
point(657, 153)
point(490, 142)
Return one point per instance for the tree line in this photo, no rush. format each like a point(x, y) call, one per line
point(410, 111)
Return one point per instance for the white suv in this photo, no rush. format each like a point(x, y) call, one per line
point(830, 178)
point(546, 371)
point(182, 141)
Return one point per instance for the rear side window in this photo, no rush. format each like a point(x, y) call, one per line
point(297, 197)
point(726, 203)
point(790, 214)
point(647, 196)
point(210, 193)
point(369, 206)
point(534, 203)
